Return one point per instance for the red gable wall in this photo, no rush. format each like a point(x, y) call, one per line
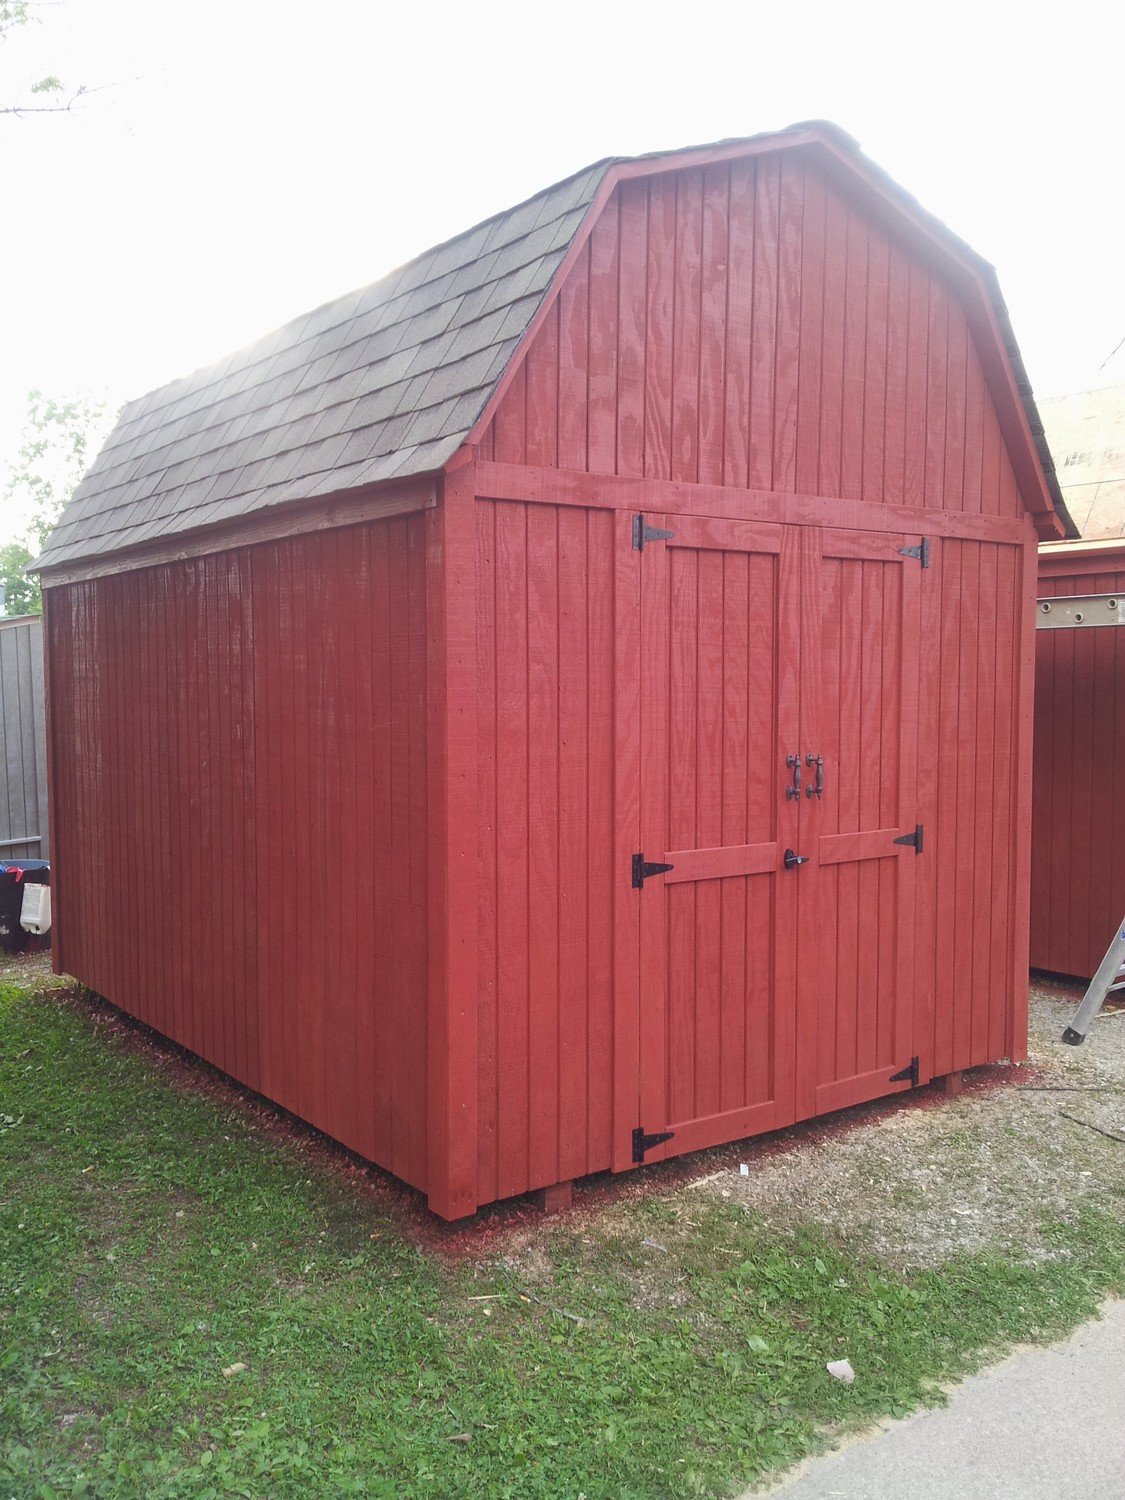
point(785, 343)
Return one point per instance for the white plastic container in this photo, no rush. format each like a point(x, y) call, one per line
point(35, 913)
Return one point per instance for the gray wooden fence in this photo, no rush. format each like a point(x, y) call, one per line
point(23, 741)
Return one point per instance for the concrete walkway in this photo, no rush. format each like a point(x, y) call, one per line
point(1047, 1424)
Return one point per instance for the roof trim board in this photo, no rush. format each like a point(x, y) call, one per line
point(298, 518)
point(1081, 559)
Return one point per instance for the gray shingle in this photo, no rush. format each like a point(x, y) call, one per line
point(382, 383)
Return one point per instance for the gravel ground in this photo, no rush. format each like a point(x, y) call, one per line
point(32, 970)
point(993, 1169)
point(917, 1178)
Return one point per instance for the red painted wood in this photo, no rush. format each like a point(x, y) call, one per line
point(443, 766)
point(194, 725)
point(1015, 644)
point(383, 784)
point(538, 486)
point(717, 1018)
point(544, 735)
point(753, 328)
point(627, 839)
point(1078, 819)
point(573, 713)
point(988, 875)
point(861, 661)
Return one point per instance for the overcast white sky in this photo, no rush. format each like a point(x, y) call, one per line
point(248, 159)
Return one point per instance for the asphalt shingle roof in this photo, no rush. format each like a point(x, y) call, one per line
point(383, 383)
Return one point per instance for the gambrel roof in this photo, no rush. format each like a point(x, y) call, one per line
point(388, 382)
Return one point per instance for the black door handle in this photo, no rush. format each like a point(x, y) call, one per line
point(792, 860)
point(817, 761)
point(794, 763)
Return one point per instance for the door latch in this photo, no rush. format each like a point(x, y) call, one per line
point(792, 860)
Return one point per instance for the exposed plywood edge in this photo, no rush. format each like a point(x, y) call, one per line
point(348, 508)
point(1081, 559)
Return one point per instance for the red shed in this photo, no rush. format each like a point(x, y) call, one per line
point(1078, 810)
point(570, 703)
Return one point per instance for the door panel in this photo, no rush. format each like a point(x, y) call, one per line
point(859, 712)
point(719, 713)
point(764, 993)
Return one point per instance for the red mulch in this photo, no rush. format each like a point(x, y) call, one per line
point(493, 1228)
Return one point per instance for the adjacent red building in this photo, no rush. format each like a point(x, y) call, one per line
point(570, 703)
point(1078, 818)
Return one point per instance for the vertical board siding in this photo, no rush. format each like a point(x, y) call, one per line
point(744, 324)
point(1078, 812)
point(723, 654)
point(968, 801)
point(23, 742)
point(860, 724)
point(239, 770)
point(545, 777)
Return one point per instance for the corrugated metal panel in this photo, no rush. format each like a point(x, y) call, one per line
point(23, 768)
point(1078, 819)
point(240, 793)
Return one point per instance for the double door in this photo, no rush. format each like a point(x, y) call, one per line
point(776, 786)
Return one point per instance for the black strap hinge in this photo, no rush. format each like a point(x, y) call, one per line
point(914, 838)
point(921, 552)
point(643, 1143)
point(908, 1075)
point(643, 533)
point(643, 868)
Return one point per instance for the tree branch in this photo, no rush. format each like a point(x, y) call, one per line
point(54, 109)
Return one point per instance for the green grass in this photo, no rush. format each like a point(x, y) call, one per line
point(151, 1235)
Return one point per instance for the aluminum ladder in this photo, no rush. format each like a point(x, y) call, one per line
point(1110, 977)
